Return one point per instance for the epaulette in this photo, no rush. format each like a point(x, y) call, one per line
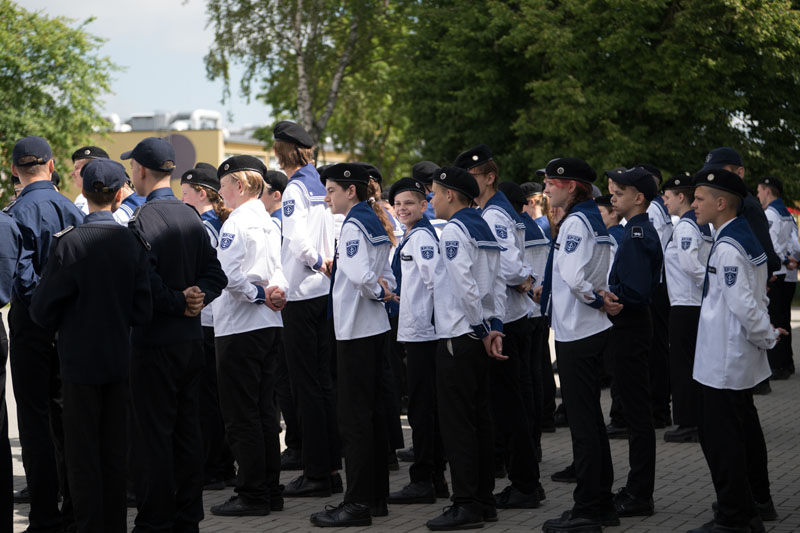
point(135, 213)
point(64, 231)
point(6, 208)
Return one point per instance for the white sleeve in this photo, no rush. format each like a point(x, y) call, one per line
point(513, 268)
point(277, 279)
point(296, 227)
point(464, 283)
point(353, 263)
point(500, 296)
point(689, 257)
point(230, 253)
point(576, 251)
point(774, 222)
point(426, 257)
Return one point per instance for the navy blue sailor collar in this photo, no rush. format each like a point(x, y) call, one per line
point(500, 201)
point(308, 177)
point(588, 212)
point(365, 219)
point(534, 235)
point(470, 221)
point(705, 229)
point(778, 205)
point(737, 232)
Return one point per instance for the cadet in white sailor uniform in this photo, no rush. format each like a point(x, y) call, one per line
point(415, 264)
point(247, 322)
point(361, 281)
point(574, 300)
point(783, 233)
point(468, 316)
point(306, 255)
point(732, 338)
point(685, 264)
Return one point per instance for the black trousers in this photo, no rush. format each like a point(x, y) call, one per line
point(164, 383)
point(733, 444)
point(422, 411)
point(95, 439)
point(285, 399)
point(462, 393)
point(391, 398)
point(630, 342)
point(580, 367)
point(683, 321)
point(6, 469)
point(360, 413)
point(538, 329)
point(659, 355)
point(548, 376)
point(305, 339)
point(246, 372)
point(780, 314)
point(616, 413)
point(218, 459)
point(509, 410)
point(37, 390)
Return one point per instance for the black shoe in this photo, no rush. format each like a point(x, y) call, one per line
point(394, 466)
point(235, 506)
point(440, 486)
point(489, 513)
point(130, 499)
point(763, 388)
point(214, 484)
point(616, 432)
point(24, 496)
point(609, 519)
point(379, 508)
point(540, 493)
point(780, 374)
point(457, 517)
point(291, 459)
point(567, 523)
point(682, 434)
point(766, 511)
point(627, 504)
point(512, 498)
point(565, 476)
point(343, 515)
point(416, 492)
point(713, 527)
point(305, 487)
point(337, 487)
point(406, 455)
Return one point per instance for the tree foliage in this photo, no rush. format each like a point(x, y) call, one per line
point(51, 79)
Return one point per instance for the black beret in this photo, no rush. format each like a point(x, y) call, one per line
point(55, 178)
point(652, 168)
point(604, 200)
point(722, 179)
point(292, 132)
point(89, 152)
point(477, 155)
point(241, 162)
point(683, 180)
point(458, 179)
point(346, 173)
point(206, 165)
point(423, 171)
point(202, 176)
point(153, 153)
point(31, 151)
point(540, 173)
point(276, 180)
point(637, 177)
point(103, 175)
point(405, 184)
point(570, 168)
point(773, 182)
point(514, 193)
point(372, 170)
point(531, 188)
point(719, 157)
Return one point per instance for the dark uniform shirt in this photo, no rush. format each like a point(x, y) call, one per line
point(94, 287)
point(40, 212)
point(754, 213)
point(637, 265)
point(10, 246)
point(180, 256)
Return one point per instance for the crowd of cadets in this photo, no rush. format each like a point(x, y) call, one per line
point(156, 342)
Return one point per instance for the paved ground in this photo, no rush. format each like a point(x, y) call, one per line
point(683, 493)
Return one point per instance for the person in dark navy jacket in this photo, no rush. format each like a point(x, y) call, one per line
point(635, 273)
point(94, 287)
point(167, 354)
point(40, 212)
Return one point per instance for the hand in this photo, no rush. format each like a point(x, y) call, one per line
point(792, 264)
point(493, 343)
point(388, 295)
point(275, 298)
point(611, 303)
point(537, 294)
point(772, 279)
point(194, 300)
point(782, 331)
point(524, 286)
point(327, 267)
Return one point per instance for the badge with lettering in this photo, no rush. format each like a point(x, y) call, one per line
point(730, 275)
point(501, 231)
point(685, 243)
point(637, 232)
point(288, 208)
point(451, 249)
point(426, 252)
point(226, 240)
point(572, 243)
point(352, 248)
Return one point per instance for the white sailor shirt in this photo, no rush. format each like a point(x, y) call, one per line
point(685, 263)
point(82, 203)
point(420, 261)
point(661, 220)
point(781, 233)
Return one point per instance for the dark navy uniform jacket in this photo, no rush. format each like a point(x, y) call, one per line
point(180, 256)
point(94, 287)
point(40, 212)
point(636, 271)
point(10, 246)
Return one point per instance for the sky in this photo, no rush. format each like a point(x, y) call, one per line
point(150, 38)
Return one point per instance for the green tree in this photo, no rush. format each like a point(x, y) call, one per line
point(51, 79)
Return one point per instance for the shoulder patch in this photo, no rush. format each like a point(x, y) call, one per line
point(7, 208)
point(637, 232)
point(502, 231)
point(451, 249)
point(685, 243)
point(731, 273)
point(226, 240)
point(288, 208)
point(64, 231)
point(352, 247)
point(572, 242)
point(426, 252)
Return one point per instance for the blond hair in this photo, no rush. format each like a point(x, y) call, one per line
point(252, 182)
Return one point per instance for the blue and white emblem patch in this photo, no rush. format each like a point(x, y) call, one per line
point(730, 275)
point(451, 249)
point(352, 248)
point(685, 243)
point(288, 208)
point(572, 243)
point(501, 231)
point(226, 240)
point(426, 252)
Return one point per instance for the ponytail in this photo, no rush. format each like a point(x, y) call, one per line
point(374, 203)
